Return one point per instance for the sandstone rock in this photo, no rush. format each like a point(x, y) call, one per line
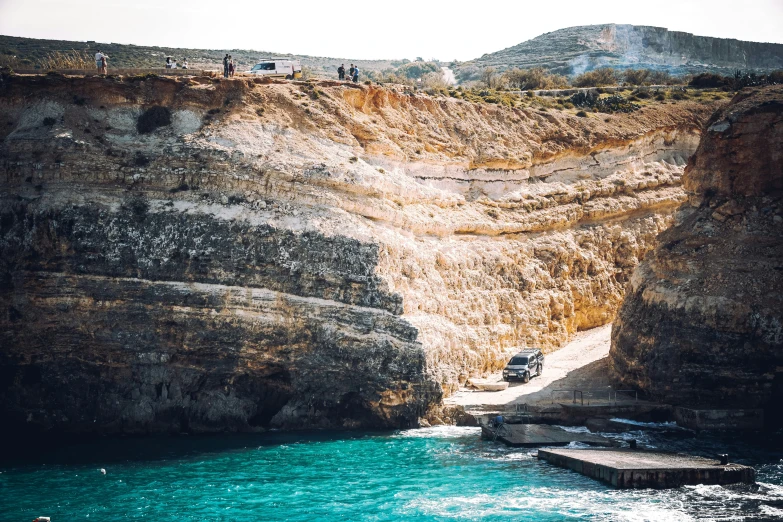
point(486, 385)
point(702, 321)
point(356, 295)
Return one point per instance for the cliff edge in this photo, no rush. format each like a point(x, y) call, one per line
point(702, 321)
point(199, 254)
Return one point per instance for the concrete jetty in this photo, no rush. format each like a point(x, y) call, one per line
point(535, 435)
point(628, 468)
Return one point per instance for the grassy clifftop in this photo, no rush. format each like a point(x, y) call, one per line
point(28, 52)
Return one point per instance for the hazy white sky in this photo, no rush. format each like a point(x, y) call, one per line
point(372, 29)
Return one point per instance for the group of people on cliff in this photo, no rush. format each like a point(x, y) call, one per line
point(228, 66)
point(353, 73)
point(172, 64)
point(101, 62)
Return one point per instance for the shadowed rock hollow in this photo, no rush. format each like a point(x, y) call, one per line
point(303, 254)
point(702, 323)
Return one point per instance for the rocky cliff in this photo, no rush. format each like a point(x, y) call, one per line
point(205, 254)
point(575, 50)
point(702, 322)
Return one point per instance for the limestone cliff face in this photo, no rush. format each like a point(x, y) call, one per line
point(574, 50)
point(298, 254)
point(702, 322)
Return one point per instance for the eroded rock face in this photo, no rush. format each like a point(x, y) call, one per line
point(702, 321)
point(574, 50)
point(304, 255)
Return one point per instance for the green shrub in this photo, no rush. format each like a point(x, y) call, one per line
point(709, 80)
point(582, 114)
point(414, 70)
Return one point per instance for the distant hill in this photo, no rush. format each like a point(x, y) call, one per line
point(575, 50)
point(28, 52)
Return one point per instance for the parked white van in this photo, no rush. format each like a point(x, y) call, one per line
point(278, 68)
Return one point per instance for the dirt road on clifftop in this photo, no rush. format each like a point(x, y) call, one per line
point(579, 365)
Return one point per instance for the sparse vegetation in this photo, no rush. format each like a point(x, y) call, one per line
point(537, 78)
point(476, 95)
point(596, 78)
point(737, 81)
point(650, 77)
point(67, 60)
point(491, 79)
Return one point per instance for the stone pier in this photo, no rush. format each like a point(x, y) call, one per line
point(627, 468)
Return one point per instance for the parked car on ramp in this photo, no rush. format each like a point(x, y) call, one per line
point(524, 366)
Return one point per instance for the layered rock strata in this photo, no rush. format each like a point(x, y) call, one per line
point(702, 321)
point(303, 254)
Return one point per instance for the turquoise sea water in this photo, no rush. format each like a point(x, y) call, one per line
point(442, 473)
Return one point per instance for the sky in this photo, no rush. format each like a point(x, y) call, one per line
point(366, 29)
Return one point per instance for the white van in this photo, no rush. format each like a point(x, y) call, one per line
point(278, 68)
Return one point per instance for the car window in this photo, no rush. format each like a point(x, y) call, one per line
point(269, 66)
point(518, 361)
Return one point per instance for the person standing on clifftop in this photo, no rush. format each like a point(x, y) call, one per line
point(350, 72)
point(355, 74)
point(104, 64)
point(225, 66)
point(99, 60)
point(341, 72)
point(230, 67)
